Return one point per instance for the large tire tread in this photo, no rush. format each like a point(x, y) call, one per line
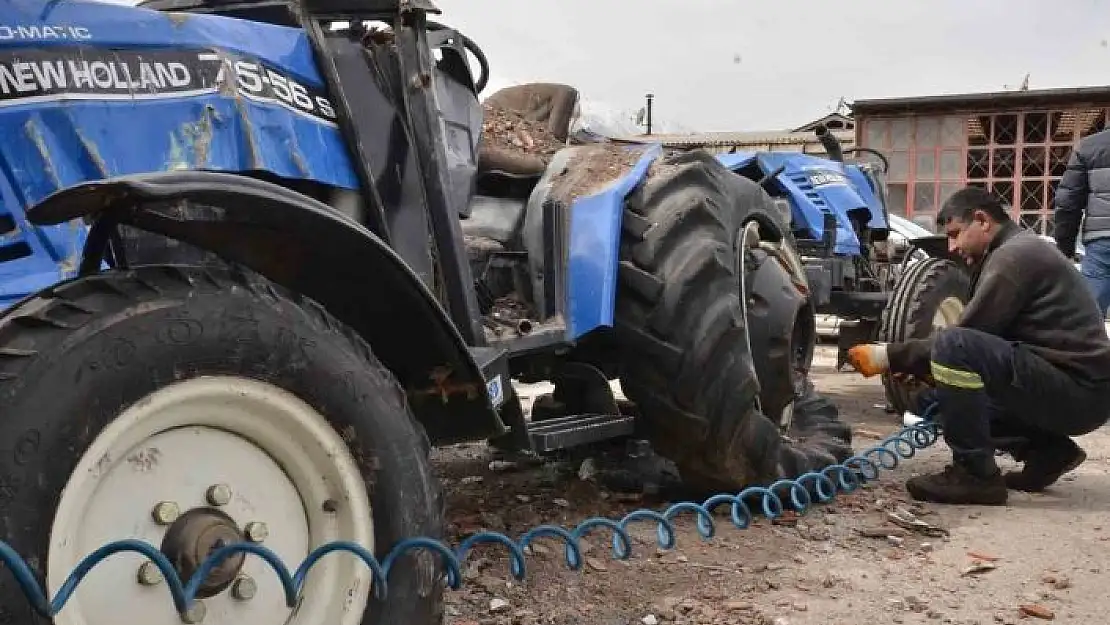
point(916, 296)
point(699, 403)
point(41, 333)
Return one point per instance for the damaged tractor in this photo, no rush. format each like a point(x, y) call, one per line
point(880, 288)
point(258, 257)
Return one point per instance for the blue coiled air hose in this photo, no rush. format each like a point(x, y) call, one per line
point(825, 484)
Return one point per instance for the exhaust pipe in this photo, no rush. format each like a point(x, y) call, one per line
point(830, 143)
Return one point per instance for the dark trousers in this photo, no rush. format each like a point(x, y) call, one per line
point(993, 390)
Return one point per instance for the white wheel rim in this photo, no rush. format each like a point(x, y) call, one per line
point(948, 313)
point(284, 465)
point(789, 260)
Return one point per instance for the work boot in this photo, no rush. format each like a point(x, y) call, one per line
point(1045, 465)
point(956, 485)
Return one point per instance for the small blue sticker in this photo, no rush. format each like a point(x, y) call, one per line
point(496, 391)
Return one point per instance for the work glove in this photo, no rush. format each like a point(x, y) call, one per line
point(869, 359)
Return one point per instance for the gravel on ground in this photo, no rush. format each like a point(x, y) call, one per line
point(1042, 557)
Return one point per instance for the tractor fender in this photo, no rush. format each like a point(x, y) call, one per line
point(306, 246)
point(593, 225)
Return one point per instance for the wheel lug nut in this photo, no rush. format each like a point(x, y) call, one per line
point(218, 495)
point(165, 512)
point(257, 532)
point(244, 588)
point(195, 613)
point(149, 575)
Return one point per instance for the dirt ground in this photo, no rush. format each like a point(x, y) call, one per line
point(1039, 558)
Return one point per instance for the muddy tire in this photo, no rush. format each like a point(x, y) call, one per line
point(928, 295)
point(817, 418)
point(127, 394)
point(684, 345)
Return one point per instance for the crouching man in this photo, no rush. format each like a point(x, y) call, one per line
point(1029, 360)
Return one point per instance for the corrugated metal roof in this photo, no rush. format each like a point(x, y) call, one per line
point(736, 138)
point(996, 99)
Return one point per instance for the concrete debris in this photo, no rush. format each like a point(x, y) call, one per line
point(596, 564)
point(977, 568)
point(587, 471)
point(1037, 611)
point(1059, 582)
point(881, 532)
point(908, 521)
point(771, 574)
point(501, 466)
point(738, 606)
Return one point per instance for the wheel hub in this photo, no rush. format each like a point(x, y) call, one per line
point(198, 465)
point(948, 313)
point(193, 537)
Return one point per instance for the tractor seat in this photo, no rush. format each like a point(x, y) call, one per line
point(551, 105)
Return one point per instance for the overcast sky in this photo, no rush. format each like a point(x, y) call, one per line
point(763, 65)
point(777, 64)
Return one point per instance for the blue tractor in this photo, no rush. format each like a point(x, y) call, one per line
point(881, 286)
point(257, 258)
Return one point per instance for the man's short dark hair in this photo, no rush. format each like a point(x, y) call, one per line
point(963, 203)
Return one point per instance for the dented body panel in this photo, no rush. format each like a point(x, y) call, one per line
point(91, 91)
point(195, 91)
point(815, 187)
point(95, 98)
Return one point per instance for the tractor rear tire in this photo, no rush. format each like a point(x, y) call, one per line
point(132, 396)
point(683, 336)
point(928, 295)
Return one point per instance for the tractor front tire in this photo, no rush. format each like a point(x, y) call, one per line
point(683, 336)
point(929, 295)
point(180, 406)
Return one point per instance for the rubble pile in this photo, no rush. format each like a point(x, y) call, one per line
point(508, 130)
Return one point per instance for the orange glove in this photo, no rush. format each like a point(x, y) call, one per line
point(869, 359)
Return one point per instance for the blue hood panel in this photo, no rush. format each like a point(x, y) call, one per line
point(91, 91)
point(182, 87)
point(816, 187)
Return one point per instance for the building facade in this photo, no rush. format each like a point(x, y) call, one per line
point(1014, 143)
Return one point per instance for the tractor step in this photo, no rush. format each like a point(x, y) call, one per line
point(565, 432)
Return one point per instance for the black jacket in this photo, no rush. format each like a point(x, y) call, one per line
point(1026, 292)
point(1083, 194)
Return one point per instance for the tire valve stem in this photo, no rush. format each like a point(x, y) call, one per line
point(244, 588)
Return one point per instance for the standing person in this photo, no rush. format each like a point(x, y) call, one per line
point(1029, 359)
point(1083, 203)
